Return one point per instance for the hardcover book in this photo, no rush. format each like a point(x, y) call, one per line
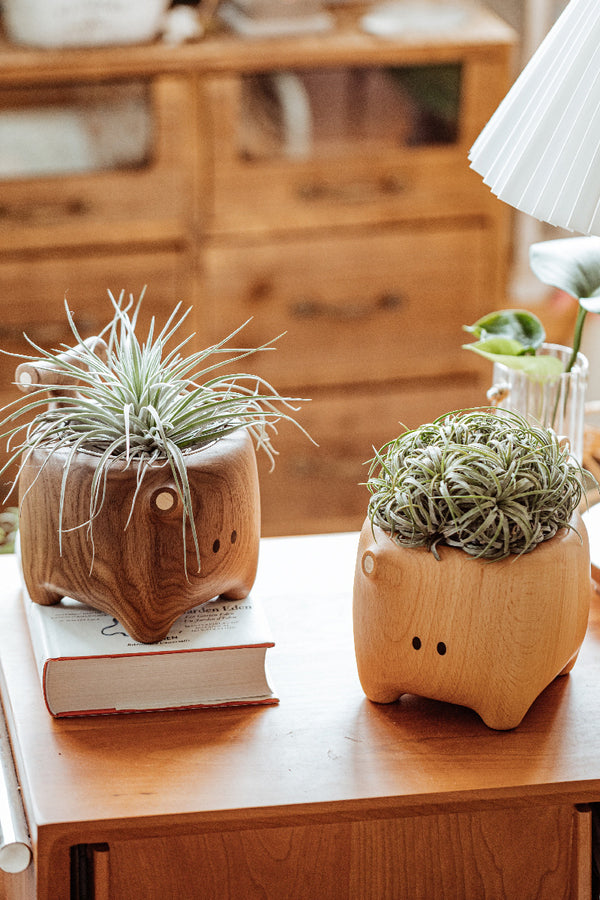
point(214, 655)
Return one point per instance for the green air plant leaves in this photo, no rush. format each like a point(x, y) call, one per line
point(142, 401)
point(483, 480)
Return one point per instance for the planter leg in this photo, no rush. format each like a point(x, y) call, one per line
point(569, 665)
point(43, 595)
point(504, 720)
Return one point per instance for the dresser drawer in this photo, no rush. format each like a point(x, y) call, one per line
point(102, 164)
point(371, 306)
point(321, 488)
point(361, 160)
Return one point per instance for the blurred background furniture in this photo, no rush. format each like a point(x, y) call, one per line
point(316, 183)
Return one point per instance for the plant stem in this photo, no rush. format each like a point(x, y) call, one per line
point(581, 314)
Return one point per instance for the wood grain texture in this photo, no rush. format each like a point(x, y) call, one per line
point(19, 886)
point(137, 571)
point(325, 756)
point(341, 295)
point(487, 635)
point(510, 854)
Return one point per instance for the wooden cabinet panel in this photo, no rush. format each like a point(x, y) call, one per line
point(35, 289)
point(321, 488)
point(362, 179)
point(356, 308)
point(330, 194)
point(501, 854)
point(150, 201)
point(19, 886)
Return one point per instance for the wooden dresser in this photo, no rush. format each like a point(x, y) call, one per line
point(361, 233)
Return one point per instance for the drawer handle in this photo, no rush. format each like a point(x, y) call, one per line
point(317, 309)
point(44, 213)
point(353, 192)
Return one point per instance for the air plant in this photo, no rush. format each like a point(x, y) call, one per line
point(143, 402)
point(486, 481)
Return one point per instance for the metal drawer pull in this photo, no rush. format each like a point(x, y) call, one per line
point(315, 309)
point(363, 191)
point(44, 213)
point(15, 846)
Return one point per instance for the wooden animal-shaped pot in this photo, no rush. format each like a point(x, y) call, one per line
point(136, 570)
point(486, 635)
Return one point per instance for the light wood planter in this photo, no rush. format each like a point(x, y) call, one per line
point(137, 573)
point(486, 635)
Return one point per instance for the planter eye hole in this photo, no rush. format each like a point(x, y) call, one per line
point(216, 546)
point(233, 537)
point(165, 500)
point(441, 648)
point(416, 642)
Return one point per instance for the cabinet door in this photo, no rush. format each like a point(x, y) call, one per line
point(347, 145)
point(355, 308)
point(98, 164)
point(315, 489)
point(531, 854)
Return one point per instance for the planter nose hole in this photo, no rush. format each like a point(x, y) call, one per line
point(216, 546)
point(368, 563)
point(233, 537)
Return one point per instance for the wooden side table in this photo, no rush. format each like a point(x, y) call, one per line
point(325, 795)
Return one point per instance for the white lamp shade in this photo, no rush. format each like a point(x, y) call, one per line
point(540, 151)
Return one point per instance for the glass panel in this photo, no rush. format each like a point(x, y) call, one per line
point(311, 113)
point(67, 130)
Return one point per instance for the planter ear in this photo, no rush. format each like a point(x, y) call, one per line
point(489, 635)
point(138, 574)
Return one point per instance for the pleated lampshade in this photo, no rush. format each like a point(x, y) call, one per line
point(540, 151)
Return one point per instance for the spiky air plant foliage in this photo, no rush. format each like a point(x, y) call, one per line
point(483, 480)
point(142, 401)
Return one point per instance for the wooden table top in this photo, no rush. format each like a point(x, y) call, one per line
point(324, 750)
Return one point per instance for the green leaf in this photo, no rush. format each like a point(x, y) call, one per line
point(539, 368)
point(497, 346)
point(569, 264)
point(515, 324)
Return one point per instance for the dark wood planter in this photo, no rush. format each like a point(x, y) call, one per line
point(136, 571)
